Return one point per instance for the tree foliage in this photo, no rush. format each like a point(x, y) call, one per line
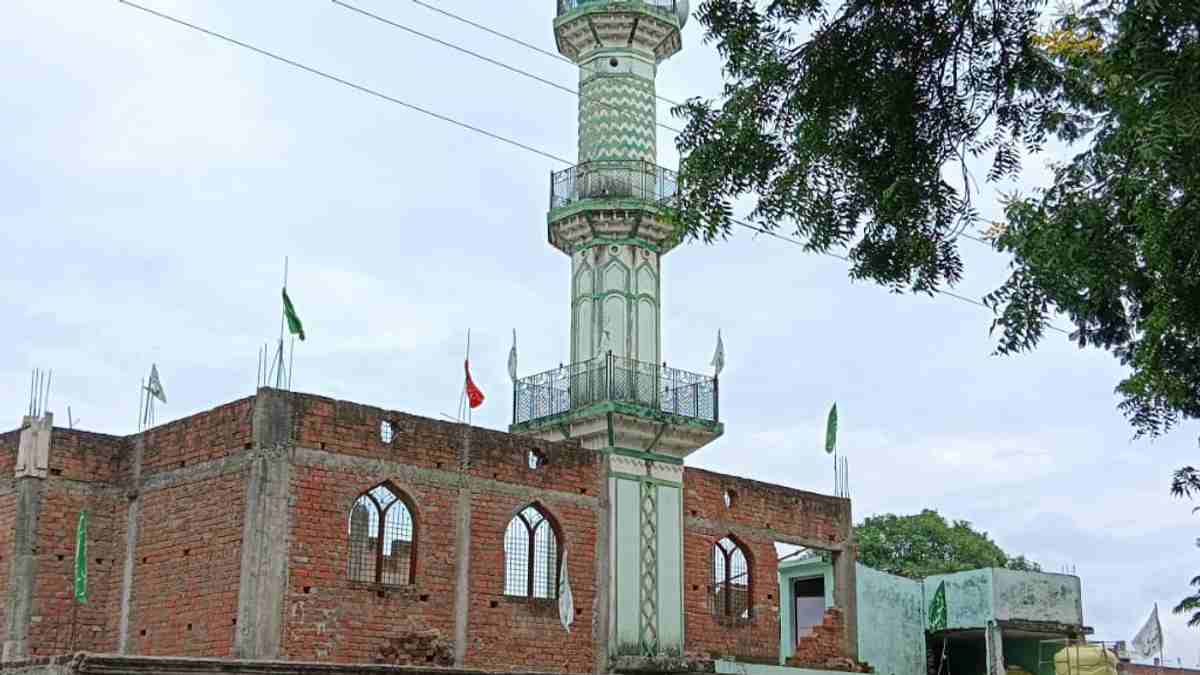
point(925, 544)
point(1186, 483)
point(856, 124)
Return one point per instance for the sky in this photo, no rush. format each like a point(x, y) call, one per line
point(152, 180)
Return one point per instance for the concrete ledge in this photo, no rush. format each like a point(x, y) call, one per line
point(112, 664)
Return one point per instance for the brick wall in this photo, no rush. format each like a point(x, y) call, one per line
point(9, 442)
point(823, 646)
point(211, 435)
point(757, 516)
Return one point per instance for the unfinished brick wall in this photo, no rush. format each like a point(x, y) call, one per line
point(215, 434)
point(9, 442)
point(758, 515)
point(822, 648)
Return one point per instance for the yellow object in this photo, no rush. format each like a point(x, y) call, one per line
point(1017, 670)
point(1085, 660)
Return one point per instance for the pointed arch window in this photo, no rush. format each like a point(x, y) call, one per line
point(731, 580)
point(383, 537)
point(531, 555)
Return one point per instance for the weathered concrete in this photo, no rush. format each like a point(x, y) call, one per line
point(33, 449)
point(602, 605)
point(845, 594)
point(462, 588)
point(22, 569)
point(1037, 596)
point(265, 532)
point(891, 622)
point(132, 519)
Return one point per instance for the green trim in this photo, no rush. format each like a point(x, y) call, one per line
point(644, 479)
point(614, 6)
point(642, 454)
point(616, 407)
point(624, 51)
point(620, 241)
point(608, 204)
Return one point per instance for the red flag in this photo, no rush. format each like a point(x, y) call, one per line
point(474, 395)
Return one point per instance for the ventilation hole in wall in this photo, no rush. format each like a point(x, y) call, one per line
point(189, 626)
point(142, 632)
point(307, 590)
point(99, 561)
point(438, 465)
point(494, 604)
point(429, 659)
point(695, 587)
point(613, 63)
point(61, 558)
point(768, 526)
point(247, 446)
point(424, 598)
point(694, 513)
point(322, 445)
point(730, 498)
point(381, 594)
point(496, 476)
point(145, 560)
point(535, 459)
point(387, 432)
point(769, 596)
point(55, 472)
point(182, 464)
point(583, 491)
point(578, 611)
point(235, 621)
point(187, 552)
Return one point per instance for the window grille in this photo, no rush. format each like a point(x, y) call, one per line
point(531, 555)
point(731, 580)
point(382, 538)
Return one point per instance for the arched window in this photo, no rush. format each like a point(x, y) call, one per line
point(531, 555)
point(731, 580)
point(382, 537)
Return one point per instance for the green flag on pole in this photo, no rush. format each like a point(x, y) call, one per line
point(81, 559)
point(293, 321)
point(937, 610)
point(831, 430)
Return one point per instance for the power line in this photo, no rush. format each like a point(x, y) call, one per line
point(470, 127)
point(347, 83)
point(514, 40)
point(481, 57)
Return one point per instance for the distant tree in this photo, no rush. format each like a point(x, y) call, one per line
point(925, 544)
point(1186, 484)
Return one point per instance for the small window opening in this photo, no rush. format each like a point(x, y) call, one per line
point(613, 63)
point(387, 432)
point(730, 498)
point(535, 459)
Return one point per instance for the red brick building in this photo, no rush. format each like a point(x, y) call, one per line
point(295, 527)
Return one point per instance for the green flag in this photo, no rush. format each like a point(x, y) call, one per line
point(937, 610)
point(831, 430)
point(81, 559)
point(293, 321)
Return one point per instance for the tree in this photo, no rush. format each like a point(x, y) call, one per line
point(925, 544)
point(1186, 483)
point(849, 124)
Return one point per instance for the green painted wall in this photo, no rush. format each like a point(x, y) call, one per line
point(891, 622)
point(790, 570)
point(969, 600)
point(670, 562)
point(628, 565)
point(1037, 596)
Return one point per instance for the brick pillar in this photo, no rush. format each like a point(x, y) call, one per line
point(266, 530)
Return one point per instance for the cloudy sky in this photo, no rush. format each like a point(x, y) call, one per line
point(152, 180)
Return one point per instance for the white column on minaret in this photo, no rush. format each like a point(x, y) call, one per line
point(615, 289)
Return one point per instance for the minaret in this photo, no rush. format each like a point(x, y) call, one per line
point(611, 215)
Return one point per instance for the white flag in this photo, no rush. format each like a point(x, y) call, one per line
point(718, 361)
point(512, 358)
point(1149, 640)
point(155, 386)
point(566, 601)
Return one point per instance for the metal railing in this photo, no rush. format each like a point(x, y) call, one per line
point(619, 379)
point(613, 179)
point(668, 7)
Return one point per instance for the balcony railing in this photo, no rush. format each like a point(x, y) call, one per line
point(617, 379)
point(667, 7)
point(613, 179)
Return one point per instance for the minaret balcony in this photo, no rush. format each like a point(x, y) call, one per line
point(613, 383)
point(670, 8)
point(612, 198)
point(649, 27)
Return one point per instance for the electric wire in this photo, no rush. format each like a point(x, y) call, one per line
point(481, 57)
point(391, 99)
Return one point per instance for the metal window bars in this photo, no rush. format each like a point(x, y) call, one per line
point(617, 379)
point(381, 539)
point(614, 179)
point(667, 7)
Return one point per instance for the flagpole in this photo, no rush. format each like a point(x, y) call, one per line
point(282, 321)
point(470, 410)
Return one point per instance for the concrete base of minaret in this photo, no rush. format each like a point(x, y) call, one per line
point(627, 429)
